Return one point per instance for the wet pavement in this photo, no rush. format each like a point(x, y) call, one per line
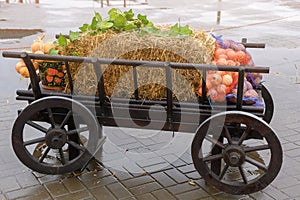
point(275, 23)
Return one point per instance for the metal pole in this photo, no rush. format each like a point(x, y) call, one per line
point(219, 15)
point(124, 3)
point(37, 1)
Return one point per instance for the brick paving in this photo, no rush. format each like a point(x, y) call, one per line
point(169, 174)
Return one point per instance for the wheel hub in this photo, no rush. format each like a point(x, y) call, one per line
point(56, 138)
point(234, 155)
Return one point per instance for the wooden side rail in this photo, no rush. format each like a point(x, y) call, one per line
point(167, 66)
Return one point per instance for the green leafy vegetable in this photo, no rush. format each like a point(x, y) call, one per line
point(98, 17)
point(105, 25)
point(84, 27)
point(52, 51)
point(143, 19)
point(177, 30)
point(130, 26)
point(185, 30)
point(119, 21)
point(74, 53)
point(93, 25)
point(129, 15)
point(62, 41)
point(74, 36)
point(151, 30)
point(112, 13)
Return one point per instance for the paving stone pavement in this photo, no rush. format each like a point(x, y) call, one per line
point(169, 174)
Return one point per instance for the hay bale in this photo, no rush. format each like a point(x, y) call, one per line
point(198, 48)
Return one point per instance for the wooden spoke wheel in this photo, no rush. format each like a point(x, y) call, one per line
point(44, 135)
point(269, 104)
point(236, 152)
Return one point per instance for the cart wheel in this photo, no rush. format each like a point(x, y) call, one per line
point(44, 126)
point(269, 104)
point(227, 154)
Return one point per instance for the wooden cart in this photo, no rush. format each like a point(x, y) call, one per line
point(227, 136)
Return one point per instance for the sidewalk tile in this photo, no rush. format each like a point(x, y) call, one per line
point(147, 196)
point(73, 184)
point(8, 184)
point(27, 179)
point(118, 190)
point(84, 194)
point(163, 194)
point(56, 188)
point(163, 179)
point(97, 182)
point(176, 175)
point(35, 192)
point(275, 193)
point(145, 188)
point(193, 195)
point(181, 188)
point(137, 181)
point(102, 193)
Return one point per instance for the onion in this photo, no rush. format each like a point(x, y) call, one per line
point(233, 45)
point(234, 91)
point(221, 89)
point(241, 47)
point(231, 63)
point(212, 93)
point(36, 65)
point(47, 46)
point(24, 72)
point(227, 80)
point(248, 85)
point(222, 61)
point(37, 46)
point(221, 98)
point(226, 44)
point(231, 55)
point(39, 52)
point(214, 79)
point(20, 65)
point(251, 94)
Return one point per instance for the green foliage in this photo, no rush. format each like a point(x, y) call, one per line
point(116, 21)
point(105, 25)
point(126, 21)
point(143, 19)
point(177, 30)
point(122, 21)
point(62, 41)
point(53, 51)
point(129, 15)
point(84, 27)
point(74, 36)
